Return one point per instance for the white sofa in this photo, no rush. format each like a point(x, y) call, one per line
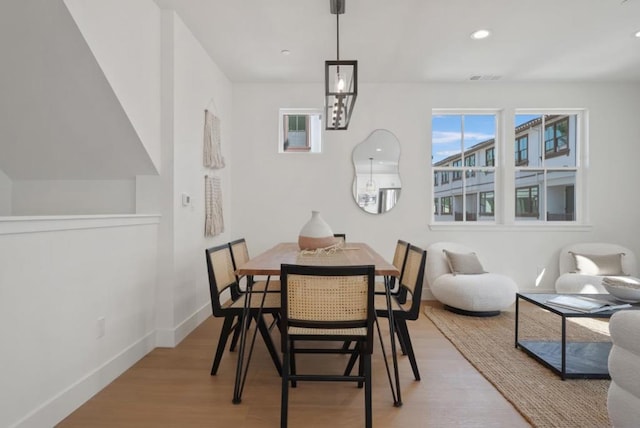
point(482, 294)
point(571, 282)
point(623, 401)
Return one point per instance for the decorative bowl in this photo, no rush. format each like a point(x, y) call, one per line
point(627, 292)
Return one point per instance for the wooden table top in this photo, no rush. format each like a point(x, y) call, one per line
point(353, 254)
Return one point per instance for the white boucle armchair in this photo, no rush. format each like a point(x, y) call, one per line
point(623, 401)
point(570, 281)
point(478, 294)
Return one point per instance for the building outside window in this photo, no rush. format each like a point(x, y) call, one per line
point(486, 204)
point(546, 184)
point(457, 175)
point(300, 131)
point(527, 202)
point(470, 160)
point(522, 150)
point(461, 141)
point(556, 138)
point(489, 156)
point(547, 172)
point(445, 205)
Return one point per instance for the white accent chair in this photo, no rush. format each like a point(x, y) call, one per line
point(481, 294)
point(570, 281)
point(623, 401)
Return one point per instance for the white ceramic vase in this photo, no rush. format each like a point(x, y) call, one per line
point(316, 233)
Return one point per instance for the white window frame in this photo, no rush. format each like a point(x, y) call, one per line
point(315, 131)
point(463, 171)
point(581, 169)
point(505, 169)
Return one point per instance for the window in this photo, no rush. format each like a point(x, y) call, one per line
point(522, 150)
point(445, 205)
point(546, 185)
point(462, 142)
point(556, 137)
point(435, 206)
point(470, 161)
point(527, 202)
point(486, 204)
point(545, 182)
point(490, 157)
point(435, 178)
point(457, 175)
point(300, 131)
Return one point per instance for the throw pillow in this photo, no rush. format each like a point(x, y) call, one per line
point(465, 264)
point(598, 264)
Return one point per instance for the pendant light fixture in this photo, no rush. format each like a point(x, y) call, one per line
point(371, 185)
point(340, 81)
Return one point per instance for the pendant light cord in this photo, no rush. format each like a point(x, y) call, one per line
point(337, 36)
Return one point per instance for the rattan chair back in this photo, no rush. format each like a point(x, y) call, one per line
point(334, 300)
point(413, 277)
point(221, 276)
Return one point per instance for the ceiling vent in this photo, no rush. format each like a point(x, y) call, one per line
point(485, 77)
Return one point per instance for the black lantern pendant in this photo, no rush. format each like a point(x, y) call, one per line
point(340, 81)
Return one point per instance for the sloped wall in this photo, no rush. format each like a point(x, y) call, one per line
point(124, 37)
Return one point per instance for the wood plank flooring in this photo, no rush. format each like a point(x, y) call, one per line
point(173, 388)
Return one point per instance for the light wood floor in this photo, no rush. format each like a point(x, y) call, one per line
point(173, 388)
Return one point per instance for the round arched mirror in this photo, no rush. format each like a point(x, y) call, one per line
point(376, 185)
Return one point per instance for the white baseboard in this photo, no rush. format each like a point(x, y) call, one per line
point(64, 403)
point(170, 337)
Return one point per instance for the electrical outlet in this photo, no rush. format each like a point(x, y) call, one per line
point(101, 327)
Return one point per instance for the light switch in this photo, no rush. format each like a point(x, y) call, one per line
point(186, 200)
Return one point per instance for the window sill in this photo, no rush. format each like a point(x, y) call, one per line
point(537, 227)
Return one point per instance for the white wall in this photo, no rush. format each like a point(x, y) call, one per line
point(5, 194)
point(73, 197)
point(57, 278)
point(275, 193)
point(198, 84)
point(124, 36)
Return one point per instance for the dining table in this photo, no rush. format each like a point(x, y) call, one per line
point(268, 264)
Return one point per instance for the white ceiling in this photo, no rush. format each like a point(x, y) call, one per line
point(420, 40)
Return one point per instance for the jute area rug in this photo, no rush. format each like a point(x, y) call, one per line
point(537, 393)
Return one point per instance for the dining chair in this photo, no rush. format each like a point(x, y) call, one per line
point(239, 256)
point(399, 259)
point(410, 283)
point(228, 303)
point(327, 303)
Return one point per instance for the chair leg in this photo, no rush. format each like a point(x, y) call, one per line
point(361, 367)
point(403, 331)
point(292, 360)
point(368, 418)
point(284, 403)
point(352, 361)
point(222, 342)
point(403, 346)
point(236, 334)
point(266, 336)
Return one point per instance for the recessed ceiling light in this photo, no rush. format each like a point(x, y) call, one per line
point(637, 34)
point(480, 34)
point(285, 52)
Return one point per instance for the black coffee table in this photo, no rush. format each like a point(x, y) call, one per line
point(570, 360)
